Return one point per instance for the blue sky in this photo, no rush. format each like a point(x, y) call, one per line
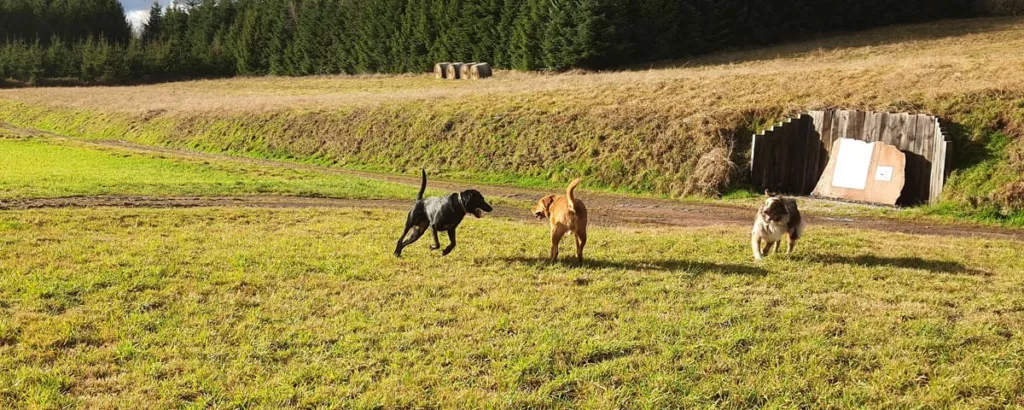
point(137, 11)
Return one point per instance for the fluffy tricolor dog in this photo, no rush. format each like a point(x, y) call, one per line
point(778, 217)
point(565, 214)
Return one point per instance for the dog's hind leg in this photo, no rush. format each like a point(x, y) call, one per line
point(417, 232)
point(581, 241)
point(556, 238)
point(408, 226)
point(778, 246)
point(451, 237)
point(437, 243)
point(793, 237)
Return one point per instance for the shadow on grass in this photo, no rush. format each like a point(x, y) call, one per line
point(871, 261)
point(698, 268)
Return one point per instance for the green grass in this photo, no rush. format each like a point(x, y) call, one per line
point(307, 308)
point(47, 168)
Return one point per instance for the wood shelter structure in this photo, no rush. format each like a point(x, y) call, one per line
point(790, 157)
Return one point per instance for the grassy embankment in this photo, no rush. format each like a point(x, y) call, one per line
point(640, 131)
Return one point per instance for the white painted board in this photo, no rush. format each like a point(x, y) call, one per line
point(853, 164)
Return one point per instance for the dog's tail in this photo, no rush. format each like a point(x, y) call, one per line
point(571, 193)
point(423, 186)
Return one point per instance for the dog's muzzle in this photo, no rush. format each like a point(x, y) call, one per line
point(539, 215)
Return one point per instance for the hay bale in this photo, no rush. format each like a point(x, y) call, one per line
point(713, 174)
point(454, 69)
point(441, 70)
point(480, 71)
point(464, 71)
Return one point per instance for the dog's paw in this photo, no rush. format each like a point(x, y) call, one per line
point(446, 252)
point(398, 254)
point(435, 247)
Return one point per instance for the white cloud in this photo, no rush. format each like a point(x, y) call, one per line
point(137, 18)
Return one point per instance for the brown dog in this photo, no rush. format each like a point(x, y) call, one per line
point(566, 214)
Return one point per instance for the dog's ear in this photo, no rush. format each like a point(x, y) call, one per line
point(547, 201)
point(770, 194)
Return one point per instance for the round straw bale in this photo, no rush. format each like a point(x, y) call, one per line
point(464, 71)
point(441, 70)
point(453, 71)
point(480, 71)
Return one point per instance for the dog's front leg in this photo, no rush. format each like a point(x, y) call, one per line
point(437, 243)
point(451, 237)
point(755, 245)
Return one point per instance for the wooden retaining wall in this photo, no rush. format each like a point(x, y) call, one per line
point(790, 157)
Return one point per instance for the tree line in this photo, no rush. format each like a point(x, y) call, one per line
point(89, 40)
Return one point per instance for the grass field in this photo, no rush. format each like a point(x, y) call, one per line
point(642, 131)
point(236, 307)
point(231, 307)
point(307, 308)
point(49, 168)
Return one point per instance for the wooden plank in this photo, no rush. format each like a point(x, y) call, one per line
point(855, 128)
point(871, 127)
point(827, 138)
point(812, 142)
point(842, 124)
point(783, 170)
point(755, 160)
point(938, 177)
point(878, 122)
point(827, 133)
point(818, 118)
point(771, 158)
point(909, 132)
point(798, 155)
point(925, 137)
point(907, 146)
point(894, 129)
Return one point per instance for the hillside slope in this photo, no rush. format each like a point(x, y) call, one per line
point(644, 131)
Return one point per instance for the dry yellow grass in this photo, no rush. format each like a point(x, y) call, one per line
point(874, 68)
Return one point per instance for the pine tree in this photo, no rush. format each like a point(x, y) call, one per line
point(152, 29)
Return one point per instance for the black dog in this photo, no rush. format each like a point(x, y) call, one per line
point(440, 214)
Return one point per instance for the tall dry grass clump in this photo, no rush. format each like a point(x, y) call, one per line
point(712, 175)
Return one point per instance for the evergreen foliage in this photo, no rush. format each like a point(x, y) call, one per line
point(90, 41)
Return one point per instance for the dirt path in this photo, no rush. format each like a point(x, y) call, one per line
point(606, 209)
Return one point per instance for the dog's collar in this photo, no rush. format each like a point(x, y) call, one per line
point(461, 205)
